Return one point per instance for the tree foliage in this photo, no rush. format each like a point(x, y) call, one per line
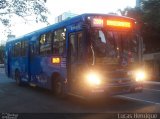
point(1, 54)
point(151, 27)
point(24, 9)
point(151, 13)
point(135, 13)
point(148, 18)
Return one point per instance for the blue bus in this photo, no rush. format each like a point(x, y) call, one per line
point(87, 55)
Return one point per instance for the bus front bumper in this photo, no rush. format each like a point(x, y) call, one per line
point(111, 90)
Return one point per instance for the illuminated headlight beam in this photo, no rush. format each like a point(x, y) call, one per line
point(93, 79)
point(140, 75)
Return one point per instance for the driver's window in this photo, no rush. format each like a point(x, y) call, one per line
point(99, 43)
point(111, 47)
point(102, 37)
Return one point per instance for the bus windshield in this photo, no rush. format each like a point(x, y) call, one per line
point(114, 47)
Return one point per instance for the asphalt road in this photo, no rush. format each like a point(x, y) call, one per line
point(36, 100)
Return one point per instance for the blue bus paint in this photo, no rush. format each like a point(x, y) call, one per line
point(32, 67)
point(38, 69)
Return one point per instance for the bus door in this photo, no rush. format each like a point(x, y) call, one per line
point(25, 60)
point(75, 57)
point(34, 62)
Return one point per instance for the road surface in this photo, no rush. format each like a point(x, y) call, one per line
point(36, 100)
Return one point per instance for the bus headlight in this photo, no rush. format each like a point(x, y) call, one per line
point(140, 75)
point(93, 79)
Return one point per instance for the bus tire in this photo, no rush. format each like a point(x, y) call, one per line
point(18, 78)
point(58, 88)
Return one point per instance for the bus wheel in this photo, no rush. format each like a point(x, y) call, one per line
point(18, 78)
point(58, 88)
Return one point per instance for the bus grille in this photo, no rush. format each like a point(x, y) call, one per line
point(118, 78)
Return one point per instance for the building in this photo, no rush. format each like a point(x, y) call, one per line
point(152, 65)
point(65, 15)
point(9, 37)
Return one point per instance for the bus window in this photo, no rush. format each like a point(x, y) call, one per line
point(102, 37)
point(59, 41)
point(80, 45)
point(99, 42)
point(34, 48)
point(24, 48)
point(45, 43)
point(12, 50)
point(17, 51)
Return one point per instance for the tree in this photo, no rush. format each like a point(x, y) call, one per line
point(148, 18)
point(23, 9)
point(1, 54)
point(135, 13)
point(151, 29)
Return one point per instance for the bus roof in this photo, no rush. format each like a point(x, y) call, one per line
point(66, 22)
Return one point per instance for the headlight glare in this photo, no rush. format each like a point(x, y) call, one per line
point(140, 75)
point(93, 79)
